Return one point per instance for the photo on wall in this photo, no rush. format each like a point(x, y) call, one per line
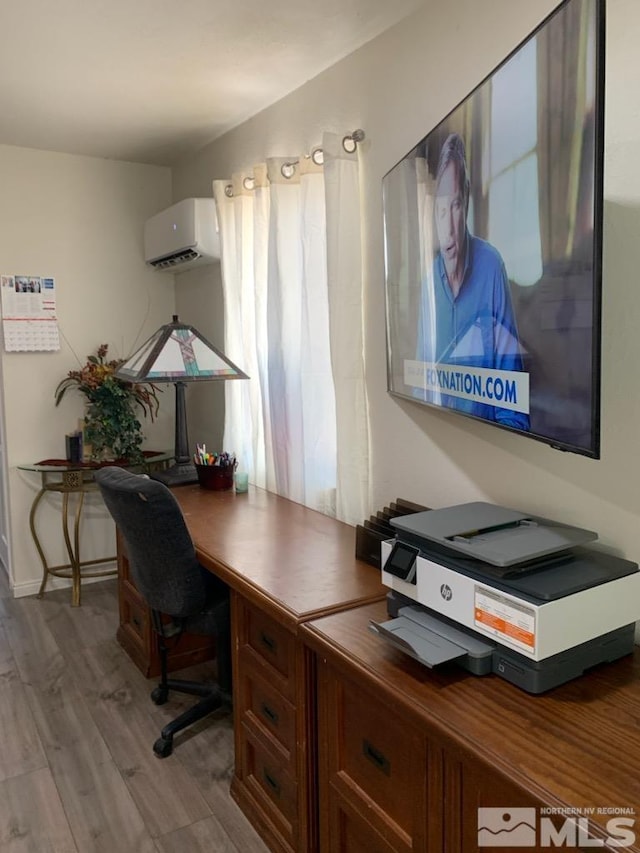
point(493, 244)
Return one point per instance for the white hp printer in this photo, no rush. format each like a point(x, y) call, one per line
point(500, 591)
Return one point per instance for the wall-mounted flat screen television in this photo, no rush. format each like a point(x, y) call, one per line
point(493, 243)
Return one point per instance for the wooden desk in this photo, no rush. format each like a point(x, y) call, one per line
point(285, 564)
point(407, 754)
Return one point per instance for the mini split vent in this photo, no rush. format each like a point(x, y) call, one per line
point(176, 260)
point(183, 236)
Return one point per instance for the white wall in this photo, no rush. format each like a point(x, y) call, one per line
point(79, 219)
point(397, 88)
point(199, 302)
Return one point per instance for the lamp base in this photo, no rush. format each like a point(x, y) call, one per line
point(180, 474)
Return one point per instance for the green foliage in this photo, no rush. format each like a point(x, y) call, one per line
point(111, 425)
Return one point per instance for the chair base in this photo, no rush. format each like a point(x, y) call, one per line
point(213, 699)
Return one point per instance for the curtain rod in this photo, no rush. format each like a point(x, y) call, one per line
point(288, 169)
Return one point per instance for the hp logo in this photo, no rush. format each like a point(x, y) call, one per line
point(445, 592)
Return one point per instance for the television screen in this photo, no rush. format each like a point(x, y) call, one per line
point(493, 227)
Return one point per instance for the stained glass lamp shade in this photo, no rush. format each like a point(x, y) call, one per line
point(178, 353)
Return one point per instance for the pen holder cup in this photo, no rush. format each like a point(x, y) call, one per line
point(215, 477)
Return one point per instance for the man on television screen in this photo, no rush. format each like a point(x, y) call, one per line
point(466, 317)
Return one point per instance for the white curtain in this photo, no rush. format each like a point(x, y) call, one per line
point(292, 279)
point(346, 310)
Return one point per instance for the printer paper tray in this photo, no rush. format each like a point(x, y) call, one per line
point(424, 645)
point(432, 641)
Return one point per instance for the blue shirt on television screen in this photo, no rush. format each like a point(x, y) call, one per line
point(476, 328)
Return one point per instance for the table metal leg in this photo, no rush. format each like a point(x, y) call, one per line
point(32, 525)
point(73, 569)
point(73, 550)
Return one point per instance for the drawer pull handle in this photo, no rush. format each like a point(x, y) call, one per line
point(376, 757)
point(271, 782)
point(268, 641)
point(269, 714)
point(136, 621)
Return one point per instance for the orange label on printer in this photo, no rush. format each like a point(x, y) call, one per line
point(504, 619)
point(489, 620)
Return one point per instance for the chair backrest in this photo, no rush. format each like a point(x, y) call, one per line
point(161, 555)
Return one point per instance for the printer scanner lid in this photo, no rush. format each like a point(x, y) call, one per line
point(491, 533)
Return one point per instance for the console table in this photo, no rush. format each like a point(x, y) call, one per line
point(75, 478)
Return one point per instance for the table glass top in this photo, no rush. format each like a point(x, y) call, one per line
point(152, 457)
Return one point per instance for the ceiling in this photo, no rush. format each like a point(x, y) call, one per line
point(153, 80)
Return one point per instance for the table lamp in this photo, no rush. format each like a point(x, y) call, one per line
point(178, 353)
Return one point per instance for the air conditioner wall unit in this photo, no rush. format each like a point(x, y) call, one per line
point(183, 236)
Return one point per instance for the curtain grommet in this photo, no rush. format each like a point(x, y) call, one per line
point(288, 170)
point(351, 140)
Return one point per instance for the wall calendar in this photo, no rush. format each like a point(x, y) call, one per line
point(29, 321)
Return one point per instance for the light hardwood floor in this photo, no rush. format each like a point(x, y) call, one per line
point(77, 771)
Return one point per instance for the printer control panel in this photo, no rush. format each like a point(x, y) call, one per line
point(401, 562)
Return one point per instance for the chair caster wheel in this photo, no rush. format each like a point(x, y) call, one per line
point(160, 695)
point(163, 747)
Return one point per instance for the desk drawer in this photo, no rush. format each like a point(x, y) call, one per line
point(375, 761)
point(351, 833)
point(135, 615)
point(265, 710)
point(270, 784)
point(269, 646)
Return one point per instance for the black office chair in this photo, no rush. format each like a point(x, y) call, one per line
point(173, 583)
